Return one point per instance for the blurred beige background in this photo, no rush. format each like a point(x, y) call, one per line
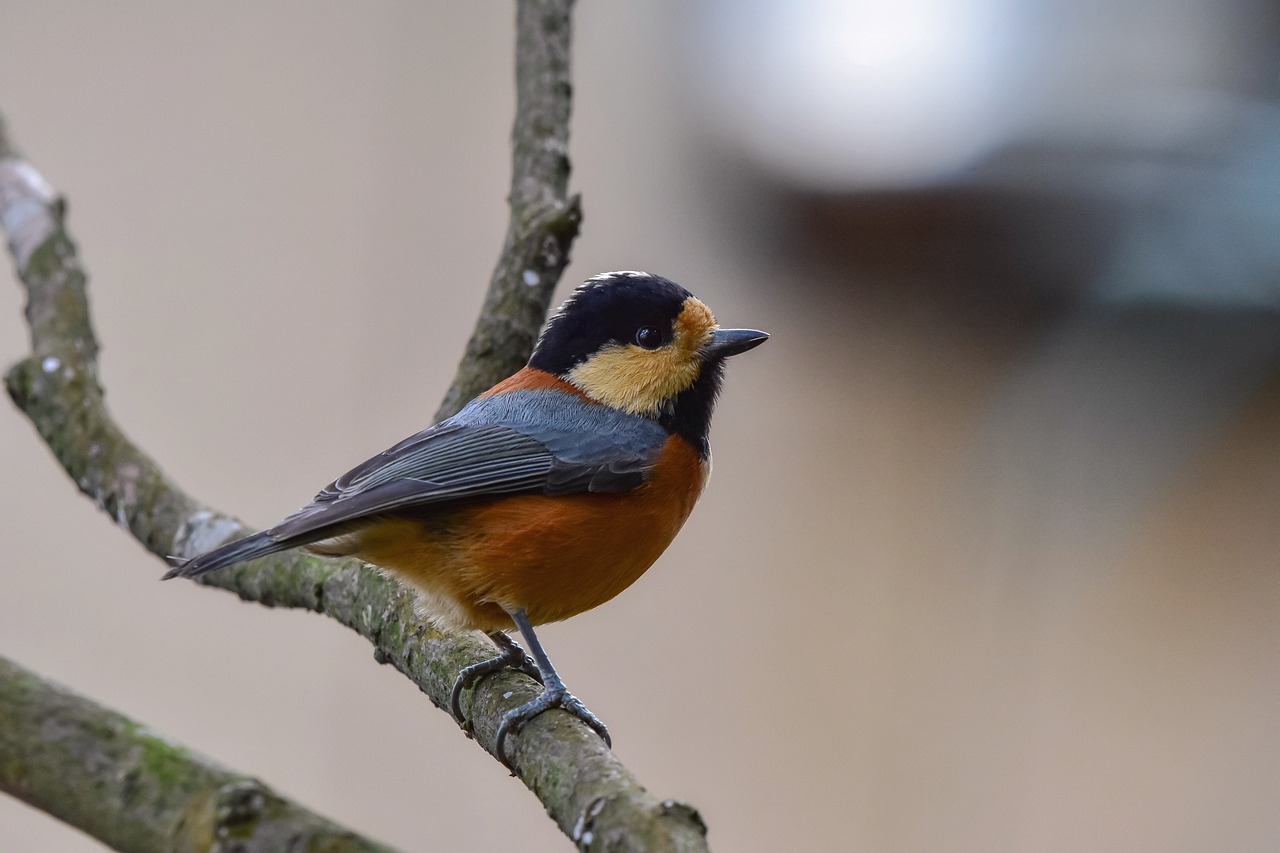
point(989, 559)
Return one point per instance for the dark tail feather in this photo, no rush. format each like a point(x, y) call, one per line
point(249, 548)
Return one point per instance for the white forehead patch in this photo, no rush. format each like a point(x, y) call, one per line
point(606, 276)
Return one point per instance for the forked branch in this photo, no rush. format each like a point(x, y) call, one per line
point(590, 795)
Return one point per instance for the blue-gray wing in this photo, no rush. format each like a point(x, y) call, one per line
point(522, 442)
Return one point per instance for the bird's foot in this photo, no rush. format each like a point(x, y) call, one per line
point(510, 656)
point(555, 696)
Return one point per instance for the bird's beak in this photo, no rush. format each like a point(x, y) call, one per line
point(727, 342)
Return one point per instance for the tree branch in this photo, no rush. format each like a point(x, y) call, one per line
point(590, 795)
point(134, 790)
point(544, 220)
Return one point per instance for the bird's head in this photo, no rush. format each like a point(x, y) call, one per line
point(643, 344)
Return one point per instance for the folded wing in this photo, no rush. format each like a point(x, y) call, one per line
point(550, 443)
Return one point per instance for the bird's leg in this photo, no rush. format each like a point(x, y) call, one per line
point(554, 695)
point(509, 655)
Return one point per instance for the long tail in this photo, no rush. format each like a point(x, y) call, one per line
point(249, 548)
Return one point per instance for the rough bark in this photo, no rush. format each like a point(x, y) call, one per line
point(591, 796)
point(135, 790)
point(544, 219)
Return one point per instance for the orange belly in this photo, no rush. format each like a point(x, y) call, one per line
point(552, 557)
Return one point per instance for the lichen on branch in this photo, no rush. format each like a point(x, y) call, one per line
point(594, 799)
point(136, 790)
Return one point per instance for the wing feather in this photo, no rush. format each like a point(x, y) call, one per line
point(489, 449)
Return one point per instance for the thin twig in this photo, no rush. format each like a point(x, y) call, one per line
point(590, 795)
point(544, 219)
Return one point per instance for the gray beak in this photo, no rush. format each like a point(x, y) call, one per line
point(727, 342)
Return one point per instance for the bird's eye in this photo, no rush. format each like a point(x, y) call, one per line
point(649, 337)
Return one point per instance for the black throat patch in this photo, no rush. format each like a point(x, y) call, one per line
point(690, 416)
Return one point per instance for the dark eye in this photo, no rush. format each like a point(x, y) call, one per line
point(649, 337)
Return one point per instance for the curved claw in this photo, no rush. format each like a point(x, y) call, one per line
point(466, 679)
point(514, 720)
point(511, 655)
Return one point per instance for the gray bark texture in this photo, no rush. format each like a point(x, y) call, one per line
point(134, 790)
point(594, 799)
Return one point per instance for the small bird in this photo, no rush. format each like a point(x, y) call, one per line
point(548, 494)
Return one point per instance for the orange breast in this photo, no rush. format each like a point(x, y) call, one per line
point(553, 557)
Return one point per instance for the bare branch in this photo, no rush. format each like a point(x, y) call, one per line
point(590, 795)
point(134, 790)
point(544, 220)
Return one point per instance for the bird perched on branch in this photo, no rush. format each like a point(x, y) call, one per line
point(549, 493)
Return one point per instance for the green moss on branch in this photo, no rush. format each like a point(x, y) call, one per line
point(596, 801)
point(134, 790)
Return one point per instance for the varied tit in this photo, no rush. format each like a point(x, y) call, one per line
point(549, 493)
